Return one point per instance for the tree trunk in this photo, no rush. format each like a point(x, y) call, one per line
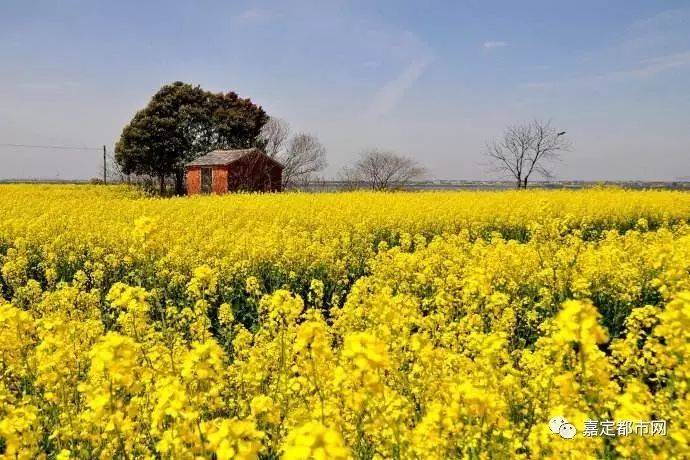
point(161, 184)
point(179, 183)
point(519, 183)
point(525, 184)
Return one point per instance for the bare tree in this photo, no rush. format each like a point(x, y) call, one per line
point(302, 155)
point(275, 134)
point(350, 178)
point(114, 173)
point(382, 170)
point(526, 149)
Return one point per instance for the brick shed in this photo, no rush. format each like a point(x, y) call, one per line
point(223, 171)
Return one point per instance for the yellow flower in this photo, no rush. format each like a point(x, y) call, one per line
point(225, 315)
point(264, 408)
point(233, 439)
point(314, 441)
point(252, 286)
point(204, 282)
point(365, 351)
point(367, 325)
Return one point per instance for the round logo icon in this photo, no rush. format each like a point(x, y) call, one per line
point(567, 431)
point(560, 426)
point(555, 424)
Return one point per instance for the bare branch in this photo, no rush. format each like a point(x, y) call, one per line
point(303, 157)
point(275, 134)
point(526, 149)
point(382, 170)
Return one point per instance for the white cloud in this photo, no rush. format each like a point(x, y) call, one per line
point(253, 15)
point(392, 92)
point(661, 22)
point(653, 66)
point(493, 44)
point(389, 47)
point(646, 68)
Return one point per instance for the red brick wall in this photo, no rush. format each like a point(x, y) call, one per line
point(276, 179)
point(220, 179)
point(254, 174)
point(193, 180)
point(257, 174)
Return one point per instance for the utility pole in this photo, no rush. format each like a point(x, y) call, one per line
point(105, 176)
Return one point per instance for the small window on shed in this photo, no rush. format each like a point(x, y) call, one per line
point(206, 180)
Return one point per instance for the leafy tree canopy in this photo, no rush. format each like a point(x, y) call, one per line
point(182, 122)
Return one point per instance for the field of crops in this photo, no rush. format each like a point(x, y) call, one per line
point(343, 325)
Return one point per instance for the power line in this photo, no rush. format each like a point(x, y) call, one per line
point(56, 147)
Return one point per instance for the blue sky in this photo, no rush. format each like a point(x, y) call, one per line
point(433, 80)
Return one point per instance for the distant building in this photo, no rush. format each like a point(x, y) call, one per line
point(222, 171)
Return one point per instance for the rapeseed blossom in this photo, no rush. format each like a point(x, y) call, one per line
point(353, 325)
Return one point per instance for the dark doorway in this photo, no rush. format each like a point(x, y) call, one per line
point(206, 179)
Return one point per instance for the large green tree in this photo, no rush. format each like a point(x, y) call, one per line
point(182, 122)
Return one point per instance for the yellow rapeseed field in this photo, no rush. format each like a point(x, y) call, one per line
point(344, 325)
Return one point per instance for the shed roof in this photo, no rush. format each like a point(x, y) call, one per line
point(224, 157)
